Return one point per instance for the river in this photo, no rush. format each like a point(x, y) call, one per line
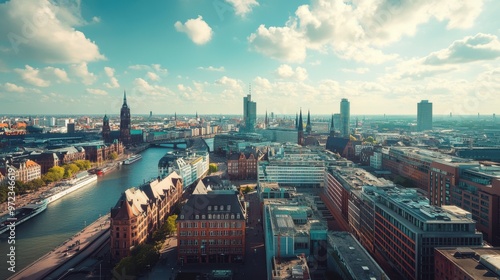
point(70, 214)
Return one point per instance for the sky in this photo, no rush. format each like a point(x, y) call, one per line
point(188, 56)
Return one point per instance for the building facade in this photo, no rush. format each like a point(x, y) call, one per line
point(407, 229)
point(242, 166)
point(106, 130)
point(140, 211)
point(249, 113)
point(345, 115)
point(424, 115)
point(211, 228)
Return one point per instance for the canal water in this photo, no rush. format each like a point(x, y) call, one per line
point(70, 214)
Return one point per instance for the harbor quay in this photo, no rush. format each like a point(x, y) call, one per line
point(69, 253)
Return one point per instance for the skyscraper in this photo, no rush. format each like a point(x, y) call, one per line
point(424, 115)
point(125, 121)
point(345, 113)
point(249, 113)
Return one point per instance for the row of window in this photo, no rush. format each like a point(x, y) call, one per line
point(212, 233)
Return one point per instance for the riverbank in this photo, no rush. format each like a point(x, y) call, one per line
point(66, 252)
point(23, 200)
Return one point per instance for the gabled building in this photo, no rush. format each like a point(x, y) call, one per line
point(242, 166)
point(211, 228)
point(141, 211)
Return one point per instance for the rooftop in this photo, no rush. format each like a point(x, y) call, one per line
point(357, 260)
point(357, 177)
point(478, 263)
point(426, 155)
point(290, 268)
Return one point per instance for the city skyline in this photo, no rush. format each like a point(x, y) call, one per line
point(75, 57)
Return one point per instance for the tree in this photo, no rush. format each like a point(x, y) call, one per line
point(212, 167)
point(70, 170)
point(352, 138)
point(171, 227)
point(113, 156)
point(370, 139)
point(83, 164)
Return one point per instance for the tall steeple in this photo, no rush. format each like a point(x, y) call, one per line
point(332, 128)
point(308, 125)
point(300, 133)
point(125, 121)
point(106, 129)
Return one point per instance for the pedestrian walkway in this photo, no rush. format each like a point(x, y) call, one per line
point(70, 249)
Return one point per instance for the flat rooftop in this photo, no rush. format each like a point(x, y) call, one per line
point(357, 177)
point(469, 260)
point(290, 268)
point(354, 256)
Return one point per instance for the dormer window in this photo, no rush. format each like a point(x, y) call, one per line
point(203, 217)
point(228, 208)
point(197, 217)
point(209, 208)
point(182, 217)
point(222, 208)
point(215, 208)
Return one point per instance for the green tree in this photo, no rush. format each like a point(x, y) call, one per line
point(70, 170)
point(170, 225)
point(113, 156)
point(212, 167)
point(370, 139)
point(352, 138)
point(83, 164)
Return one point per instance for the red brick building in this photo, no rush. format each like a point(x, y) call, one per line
point(139, 212)
point(211, 229)
point(242, 166)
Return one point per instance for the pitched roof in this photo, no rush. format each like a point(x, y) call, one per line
point(199, 204)
point(336, 144)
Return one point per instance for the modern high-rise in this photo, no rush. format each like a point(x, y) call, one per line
point(424, 115)
point(249, 113)
point(345, 112)
point(125, 121)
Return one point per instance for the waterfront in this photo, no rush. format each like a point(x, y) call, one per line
point(65, 217)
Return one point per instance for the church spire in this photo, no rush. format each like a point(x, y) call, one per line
point(300, 134)
point(332, 128)
point(308, 125)
point(124, 98)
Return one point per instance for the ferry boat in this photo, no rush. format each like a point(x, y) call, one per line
point(23, 214)
point(107, 169)
point(82, 179)
point(132, 159)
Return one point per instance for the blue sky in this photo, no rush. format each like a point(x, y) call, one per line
point(187, 56)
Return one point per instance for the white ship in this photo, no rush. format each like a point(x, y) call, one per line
point(23, 214)
point(82, 179)
point(132, 159)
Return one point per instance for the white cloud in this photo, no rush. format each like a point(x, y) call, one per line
point(139, 67)
point(469, 49)
point(153, 76)
point(59, 73)
point(45, 31)
point(142, 86)
point(32, 76)
point(212, 68)
point(14, 88)
point(196, 29)
point(356, 30)
point(113, 82)
point(359, 70)
point(282, 43)
point(159, 69)
point(81, 70)
point(96, 91)
point(285, 71)
point(242, 7)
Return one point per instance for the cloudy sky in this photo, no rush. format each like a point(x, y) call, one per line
point(60, 57)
